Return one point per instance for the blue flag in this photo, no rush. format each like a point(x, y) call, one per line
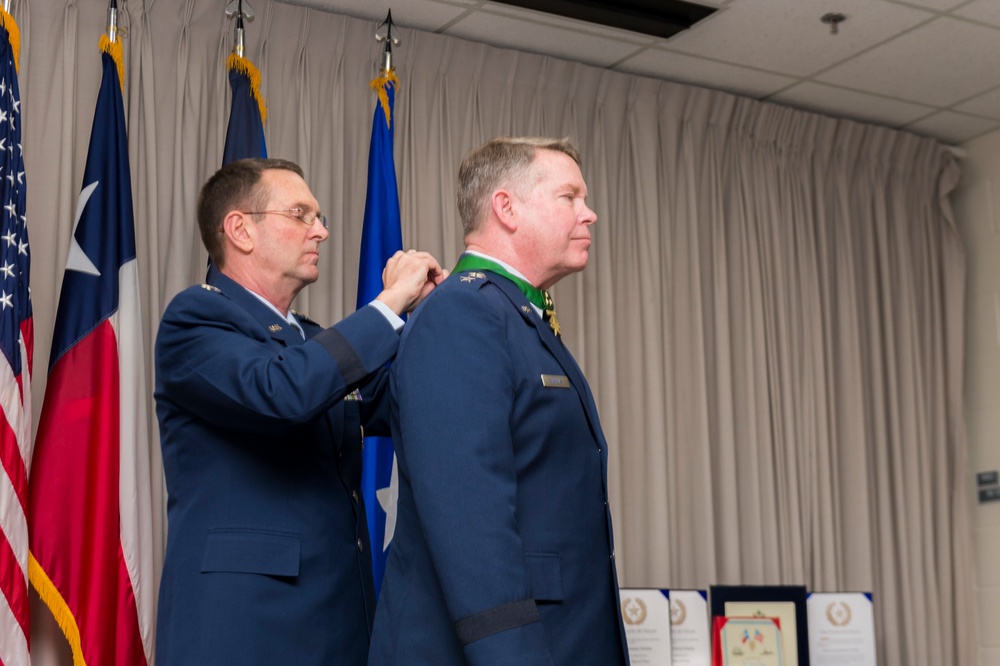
point(380, 239)
point(245, 133)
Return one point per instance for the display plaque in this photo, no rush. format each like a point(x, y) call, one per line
point(646, 614)
point(690, 644)
point(786, 603)
point(841, 629)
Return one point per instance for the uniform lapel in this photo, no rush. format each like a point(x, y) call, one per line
point(559, 350)
point(277, 327)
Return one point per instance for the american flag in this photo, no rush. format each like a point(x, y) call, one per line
point(16, 341)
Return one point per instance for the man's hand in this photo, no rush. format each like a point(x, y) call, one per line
point(407, 278)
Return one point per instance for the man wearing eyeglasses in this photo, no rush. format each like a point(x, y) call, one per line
point(261, 413)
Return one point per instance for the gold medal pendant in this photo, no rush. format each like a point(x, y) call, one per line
point(550, 315)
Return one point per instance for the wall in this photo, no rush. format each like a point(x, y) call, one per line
point(977, 210)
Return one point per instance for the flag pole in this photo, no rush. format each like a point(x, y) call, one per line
point(381, 236)
point(112, 20)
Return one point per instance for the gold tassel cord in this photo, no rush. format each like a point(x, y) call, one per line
point(244, 66)
point(114, 49)
point(379, 85)
point(51, 597)
point(14, 33)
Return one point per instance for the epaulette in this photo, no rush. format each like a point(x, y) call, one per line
point(303, 317)
point(472, 276)
point(209, 287)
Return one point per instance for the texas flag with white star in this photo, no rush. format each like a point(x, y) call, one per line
point(94, 474)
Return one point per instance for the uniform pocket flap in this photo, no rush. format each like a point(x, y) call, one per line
point(249, 551)
point(545, 576)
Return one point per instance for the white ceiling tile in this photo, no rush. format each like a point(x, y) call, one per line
point(839, 102)
point(939, 63)
point(429, 15)
point(525, 35)
point(985, 11)
point(953, 127)
point(682, 68)
point(987, 104)
point(939, 5)
point(788, 37)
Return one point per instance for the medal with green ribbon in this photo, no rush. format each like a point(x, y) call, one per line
point(539, 297)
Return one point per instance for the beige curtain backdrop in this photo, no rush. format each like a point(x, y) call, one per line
point(771, 320)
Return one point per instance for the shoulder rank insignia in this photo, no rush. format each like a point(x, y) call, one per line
point(274, 328)
point(303, 317)
point(526, 309)
point(209, 287)
point(475, 275)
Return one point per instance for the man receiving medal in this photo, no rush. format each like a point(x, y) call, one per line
point(503, 550)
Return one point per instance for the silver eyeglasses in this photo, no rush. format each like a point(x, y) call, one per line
point(294, 213)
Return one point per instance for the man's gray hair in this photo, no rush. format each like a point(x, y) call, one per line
point(500, 162)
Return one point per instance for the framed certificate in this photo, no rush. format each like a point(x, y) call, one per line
point(841, 629)
point(785, 603)
point(690, 643)
point(646, 614)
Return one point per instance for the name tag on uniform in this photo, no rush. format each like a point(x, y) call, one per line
point(555, 381)
point(353, 396)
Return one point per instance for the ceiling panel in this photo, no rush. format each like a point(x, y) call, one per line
point(931, 66)
point(683, 68)
point(836, 101)
point(427, 15)
point(939, 63)
point(520, 29)
point(940, 5)
point(987, 104)
point(953, 127)
point(985, 11)
point(788, 37)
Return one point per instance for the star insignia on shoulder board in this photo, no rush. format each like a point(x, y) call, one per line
point(208, 287)
point(526, 309)
point(468, 278)
point(274, 328)
point(475, 275)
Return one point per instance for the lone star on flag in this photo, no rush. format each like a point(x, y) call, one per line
point(387, 498)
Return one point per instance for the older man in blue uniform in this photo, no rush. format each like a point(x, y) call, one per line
point(503, 551)
point(260, 412)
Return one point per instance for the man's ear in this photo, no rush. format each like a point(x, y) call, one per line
point(502, 203)
point(239, 233)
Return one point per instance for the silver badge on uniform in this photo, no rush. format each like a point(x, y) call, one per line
point(555, 381)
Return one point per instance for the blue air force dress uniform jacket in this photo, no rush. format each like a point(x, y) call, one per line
point(503, 549)
point(267, 556)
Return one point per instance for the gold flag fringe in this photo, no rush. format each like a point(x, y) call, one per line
point(244, 66)
point(114, 49)
point(379, 85)
point(51, 597)
point(8, 22)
